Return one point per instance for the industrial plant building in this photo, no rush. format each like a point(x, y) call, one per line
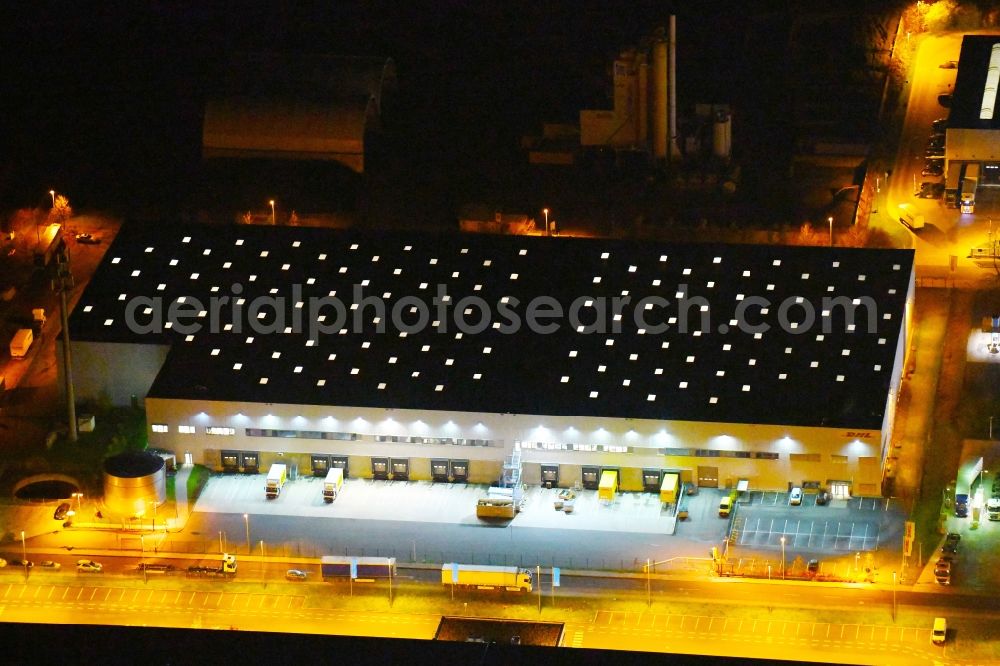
point(502, 360)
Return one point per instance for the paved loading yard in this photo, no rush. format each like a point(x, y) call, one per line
point(423, 501)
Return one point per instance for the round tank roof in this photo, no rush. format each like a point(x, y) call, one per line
point(133, 464)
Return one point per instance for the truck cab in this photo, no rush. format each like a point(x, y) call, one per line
point(993, 508)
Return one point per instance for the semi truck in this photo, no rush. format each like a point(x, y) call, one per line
point(21, 343)
point(482, 577)
point(276, 477)
point(339, 566)
point(332, 484)
point(993, 508)
point(226, 570)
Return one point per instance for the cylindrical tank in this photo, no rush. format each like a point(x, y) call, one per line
point(134, 483)
point(660, 99)
point(722, 138)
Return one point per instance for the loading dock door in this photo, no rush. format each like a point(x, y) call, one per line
point(460, 471)
point(320, 465)
point(708, 477)
point(230, 461)
point(591, 477)
point(439, 471)
point(380, 469)
point(339, 461)
point(550, 475)
point(400, 469)
point(250, 464)
point(651, 480)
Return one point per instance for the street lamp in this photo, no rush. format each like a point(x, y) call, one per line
point(545, 211)
point(24, 556)
point(52, 193)
point(893, 596)
point(830, 220)
point(246, 520)
point(272, 210)
point(782, 558)
point(263, 571)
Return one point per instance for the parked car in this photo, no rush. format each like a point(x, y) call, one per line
point(89, 566)
point(939, 634)
point(22, 563)
point(940, 125)
point(949, 64)
point(49, 564)
point(295, 574)
point(953, 537)
point(813, 567)
point(932, 170)
point(795, 496)
point(942, 572)
point(87, 239)
point(61, 511)
point(822, 498)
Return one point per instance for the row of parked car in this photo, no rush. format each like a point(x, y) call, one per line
point(84, 566)
point(946, 560)
point(934, 152)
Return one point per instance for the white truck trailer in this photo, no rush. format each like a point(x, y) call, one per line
point(276, 478)
point(332, 484)
point(21, 343)
point(483, 577)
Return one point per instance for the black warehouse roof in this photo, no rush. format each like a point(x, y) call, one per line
point(721, 366)
point(974, 100)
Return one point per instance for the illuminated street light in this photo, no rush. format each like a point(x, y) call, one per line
point(24, 556)
point(263, 570)
point(52, 193)
point(830, 220)
point(893, 596)
point(272, 210)
point(246, 520)
point(545, 211)
point(782, 558)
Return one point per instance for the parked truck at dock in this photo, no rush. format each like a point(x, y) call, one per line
point(339, 566)
point(276, 478)
point(332, 484)
point(482, 577)
point(226, 570)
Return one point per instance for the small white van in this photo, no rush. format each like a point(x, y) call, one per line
point(940, 631)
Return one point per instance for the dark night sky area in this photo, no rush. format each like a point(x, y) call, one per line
point(104, 100)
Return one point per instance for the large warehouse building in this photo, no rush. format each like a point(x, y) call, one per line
point(972, 145)
point(480, 358)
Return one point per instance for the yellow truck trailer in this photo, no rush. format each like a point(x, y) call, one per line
point(609, 485)
point(495, 507)
point(668, 489)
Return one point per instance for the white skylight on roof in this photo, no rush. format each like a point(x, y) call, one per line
point(594, 394)
point(887, 316)
point(878, 367)
point(658, 371)
point(285, 267)
point(881, 341)
point(597, 279)
point(381, 386)
point(513, 276)
point(746, 273)
point(820, 337)
point(758, 336)
point(746, 388)
point(455, 274)
point(663, 257)
point(626, 382)
point(375, 258)
point(397, 271)
point(366, 344)
point(253, 278)
point(296, 243)
point(814, 364)
point(682, 385)
point(690, 359)
point(720, 373)
point(263, 254)
point(752, 361)
point(116, 260)
point(522, 252)
point(464, 250)
point(657, 282)
point(136, 273)
point(227, 265)
point(439, 387)
point(726, 347)
point(415, 374)
point(250, 340)
point(776, 262)
point(717, 260)
point(237, 366)
point(605, 255)
point(297, 369)
point(686, 271)
point(321, 382)
point(633, 269)
point(770, 287)
point(564, 379)
point(263, 380)
point(665, 345)
point(148, 250)
point(861, 277)
point(392, 359)
point(602, 368)
point(322, 257)
point(186, 239)
point(783, 375)
point(650, 397)
point(633, 357)
point(108, 322)
point(355, 371)
point(713, 400)
point(425, 348)
point(836, 264)
point(239, 241)
point(710, 284)
point(805, 276)
point(477, 375)
point(609, 342)
point(310, 343)
point(896, 267)
point(88, 308)
point(449, 361)
point(840, 378)
point(407, 248)
point(573, 353)
point(487, 350)
point(173, 262)
point(122, 297)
